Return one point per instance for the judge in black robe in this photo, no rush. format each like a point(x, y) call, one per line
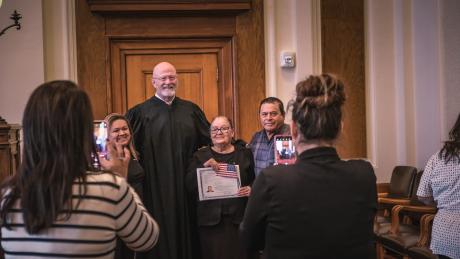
point(167, 131)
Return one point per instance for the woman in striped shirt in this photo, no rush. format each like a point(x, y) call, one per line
point(58, 205)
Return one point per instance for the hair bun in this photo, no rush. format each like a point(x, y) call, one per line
point(320, 92)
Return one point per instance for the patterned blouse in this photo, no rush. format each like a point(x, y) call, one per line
point(442, 182)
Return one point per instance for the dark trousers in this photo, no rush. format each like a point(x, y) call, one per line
point(222, 242)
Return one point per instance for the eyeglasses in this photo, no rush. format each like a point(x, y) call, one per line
point(272, 114)
point(164, 78)
point(223, 130)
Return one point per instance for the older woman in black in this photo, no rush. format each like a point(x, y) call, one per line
point(321, 206)
point(218, 220)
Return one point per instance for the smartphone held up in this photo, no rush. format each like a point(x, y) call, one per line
point(284, 150)
point(100, 137)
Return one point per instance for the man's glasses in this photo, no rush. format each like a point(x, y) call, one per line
point(223, 130)
point(272, 114)
point(164, 78)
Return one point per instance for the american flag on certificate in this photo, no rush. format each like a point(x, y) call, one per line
point(227, 170)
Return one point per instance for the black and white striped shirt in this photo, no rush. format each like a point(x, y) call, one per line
point(110, 208)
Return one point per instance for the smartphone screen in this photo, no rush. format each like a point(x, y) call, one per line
point(100, 137)
point(284, 150)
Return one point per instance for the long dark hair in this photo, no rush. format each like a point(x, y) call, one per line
point(58, 148)
point(317, 107)
point(451, 148)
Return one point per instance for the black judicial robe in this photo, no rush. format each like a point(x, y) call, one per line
point(166, 137)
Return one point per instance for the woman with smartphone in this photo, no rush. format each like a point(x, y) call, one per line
point(58, 205)
point(321, 206)
point(119, 132)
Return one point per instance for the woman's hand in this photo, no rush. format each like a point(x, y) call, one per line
point(118, 161)
point(212, 163)
point(244, 191)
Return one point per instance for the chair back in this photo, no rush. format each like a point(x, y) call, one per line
point(402, 182)
point(413, 197)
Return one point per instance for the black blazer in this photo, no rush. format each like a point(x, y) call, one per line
point(209, 212)
point(320, 207)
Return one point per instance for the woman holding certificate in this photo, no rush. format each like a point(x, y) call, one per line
point(228, 170)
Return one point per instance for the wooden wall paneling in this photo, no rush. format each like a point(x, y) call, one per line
point(228, 102)
point(171, 7)
point(91, 57)
point(342, 33)
point(250, 67)
point(170, 26)
point(10, 153)
point(5, 154)
point(244, 54)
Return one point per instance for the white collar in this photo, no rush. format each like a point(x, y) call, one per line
point(168, 103)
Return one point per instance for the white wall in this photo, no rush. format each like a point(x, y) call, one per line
point(412, 71)
point(450, 63)
point(290, 25)
point(21, 57)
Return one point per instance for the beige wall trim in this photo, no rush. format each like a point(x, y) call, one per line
point(72, 41)
point(316, 35)
point(270, 47)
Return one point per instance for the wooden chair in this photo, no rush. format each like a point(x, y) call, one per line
point(422, 249)
point(404, 235)
point(402, 189)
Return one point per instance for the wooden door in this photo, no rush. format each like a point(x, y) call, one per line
point(197, 78)
point(113, 35)
point(203, 66)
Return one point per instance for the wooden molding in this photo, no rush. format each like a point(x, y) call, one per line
point(170, 7)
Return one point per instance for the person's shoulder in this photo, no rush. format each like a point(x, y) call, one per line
point(243, 148)
point(240, 144)
point(186, 103)
point(276, 172)
point(358, 162)
point(256, 137)
point(436, 157)
point(360, 166)
point(140, 107)
point(203, 150)
point(105, 179)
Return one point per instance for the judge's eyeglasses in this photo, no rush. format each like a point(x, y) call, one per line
point(223, 130)
point(164, 78)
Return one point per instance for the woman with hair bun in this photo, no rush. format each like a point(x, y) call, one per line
point(321, 206)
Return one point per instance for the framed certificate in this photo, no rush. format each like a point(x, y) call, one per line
point(222, 184)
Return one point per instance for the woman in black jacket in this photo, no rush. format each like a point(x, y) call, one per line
point(218, 219)
point(321, 206)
